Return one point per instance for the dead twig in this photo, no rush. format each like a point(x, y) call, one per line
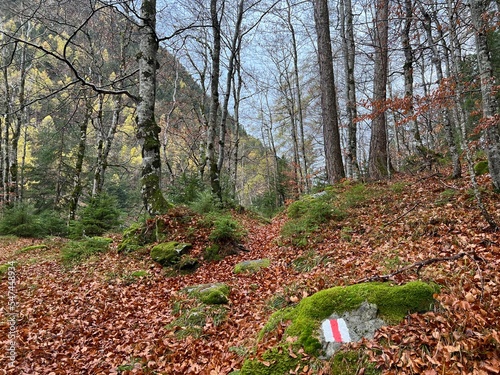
point(402, 215)
point(417, 265)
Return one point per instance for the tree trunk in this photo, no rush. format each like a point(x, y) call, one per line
point(446, 115)
point(7, 123)
point(234, 51)
point(348, 46)
point(105, 141)
point(214, 172)
point(237, 86)
point(408, 72)
point(378, 164)
point(304, 166)
point(489, 89)
point(80, 155)
point(333, 153)
point(147, 129)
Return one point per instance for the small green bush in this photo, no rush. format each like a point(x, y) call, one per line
point(185, 189)
point(306, 215)
point(205, 203)
point(21, 220)
point(226, 229)
point(77, 251)
point(53, 224)
point(98, 217)
point(212, 253)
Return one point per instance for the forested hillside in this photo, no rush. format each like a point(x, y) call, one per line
point(154, 103)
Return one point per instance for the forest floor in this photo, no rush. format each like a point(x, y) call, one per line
point(102, 317)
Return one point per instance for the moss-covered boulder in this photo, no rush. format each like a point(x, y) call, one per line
point(251, 265)
point(132, 239)
point(393, 303)
point(210, 294)
point(169, 253)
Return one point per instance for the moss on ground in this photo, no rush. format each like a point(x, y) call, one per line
point(210, 294)
point(251, 265)
point(275, 361)
point(132, 239)
point(4, 269)
point(168, 253)
point(481, 168)
point(33, 247)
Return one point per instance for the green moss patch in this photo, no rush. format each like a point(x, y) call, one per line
point(32, 248)
point(169, 253)
point(210, 294)
point(275, 361)
point(4, 269)
point(393, 302)
point(251, 265)
point(481, 168)
point(132, 239)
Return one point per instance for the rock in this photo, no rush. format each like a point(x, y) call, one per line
point(359, 323)
point(169, 253)
point(187, 263)
point(251, 265)
point(132, 239)
point(211, 294)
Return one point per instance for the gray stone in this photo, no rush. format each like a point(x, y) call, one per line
point(361, 323)
point(169, 253)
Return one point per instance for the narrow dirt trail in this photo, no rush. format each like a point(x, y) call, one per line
point(88, 321)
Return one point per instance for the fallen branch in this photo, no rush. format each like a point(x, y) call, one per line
point(402, 215)
point(417, 265)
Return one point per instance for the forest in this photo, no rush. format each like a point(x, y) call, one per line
point(147, 146)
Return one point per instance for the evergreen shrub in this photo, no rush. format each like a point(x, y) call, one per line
point(24, 220)
point(205, 203)
point(99, 216)
point(226, 229)
point(186, 189)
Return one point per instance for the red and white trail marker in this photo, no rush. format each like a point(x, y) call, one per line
point(335, 330)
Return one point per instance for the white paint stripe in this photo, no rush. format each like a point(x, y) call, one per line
point(344, 331)
point(327, 331)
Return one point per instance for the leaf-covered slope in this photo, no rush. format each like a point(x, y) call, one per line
point(99, 318)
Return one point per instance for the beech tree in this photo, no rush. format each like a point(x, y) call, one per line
point(147, 128)
point(379, 163)
point(333, 153)
point(489, 87)
point(348, 49)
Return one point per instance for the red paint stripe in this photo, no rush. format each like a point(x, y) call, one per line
point(335, 330)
